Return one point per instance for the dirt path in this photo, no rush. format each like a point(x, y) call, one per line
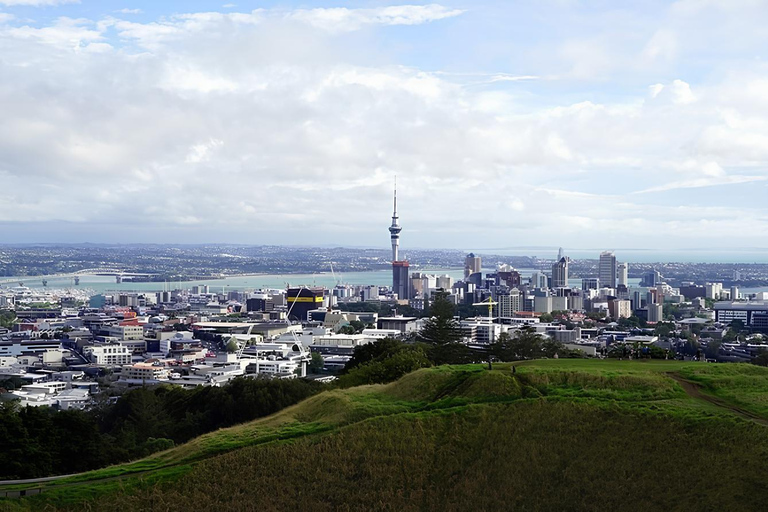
point(693, 389)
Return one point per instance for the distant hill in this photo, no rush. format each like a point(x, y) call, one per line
point(553, 435)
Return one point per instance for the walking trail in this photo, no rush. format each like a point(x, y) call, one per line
point(693, 389)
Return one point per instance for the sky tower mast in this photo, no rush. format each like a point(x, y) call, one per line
point(394, 229)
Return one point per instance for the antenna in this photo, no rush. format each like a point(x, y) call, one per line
point(395, 195)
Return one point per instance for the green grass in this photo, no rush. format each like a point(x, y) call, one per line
point(529, 455)
point(743, 385)
point(555, 433)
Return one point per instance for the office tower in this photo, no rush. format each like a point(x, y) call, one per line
point(713, 290)
point(607, 269)
point(623, 274)
point(655, 313)
point(619, 308)
point(560, 273)
point(302, 300)
point(445, 282)
point(472, 265)
point(590, 283)
point(560, 254)
point(538, 280)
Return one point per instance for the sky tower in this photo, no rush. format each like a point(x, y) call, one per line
point(400, 283)
point(394, 229)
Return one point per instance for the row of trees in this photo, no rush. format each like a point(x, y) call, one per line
point(439, 342)
point(38, 441)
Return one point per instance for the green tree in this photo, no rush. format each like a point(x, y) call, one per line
point(441, 327)
point(316, 363)
point(380, 349)
point(737, 325)
point(761, 359)
point(386, 369)
point(232, 346)
point(526, 344)
point(712, 350)
point(450, 353)
point(7, 319)
point(357, 326)
point(664, 329)
point(546, 317)
point(596, 315)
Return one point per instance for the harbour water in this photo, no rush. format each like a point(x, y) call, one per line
point(102, 284)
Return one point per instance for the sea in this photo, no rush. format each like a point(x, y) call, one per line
point(104, 284)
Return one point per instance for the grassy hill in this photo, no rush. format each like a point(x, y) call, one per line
point(556, 434)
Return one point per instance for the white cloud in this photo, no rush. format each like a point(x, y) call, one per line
point(678, 92)
point(126, 10)
point(704, 182)
point(63, 32)
point(344, 19)
point(235, 124)
point(37, 3)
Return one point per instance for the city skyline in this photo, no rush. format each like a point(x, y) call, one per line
point(556, 124)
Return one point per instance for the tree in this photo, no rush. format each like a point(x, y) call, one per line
point(450, 353)
point(761, 359)
point(386, 347)
point(527, 344)
point(316, 363)
point(712, 350)
point(386, 369)
point(441, 328)
point(663, 329)
point(546, 318)
point(232, 346)
point(596, 315)
point(737, 325)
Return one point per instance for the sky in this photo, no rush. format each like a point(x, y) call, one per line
point(581, 124)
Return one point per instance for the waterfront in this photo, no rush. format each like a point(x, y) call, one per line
point(103, 284)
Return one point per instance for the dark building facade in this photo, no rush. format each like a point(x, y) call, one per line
point(400, 281)
point(303, 300)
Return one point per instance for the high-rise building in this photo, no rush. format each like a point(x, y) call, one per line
point(619, 308)
point(445, 282)
point(302, 300)
point(560, 273)
point(472, 265)
point(607, 269)
point(400, 280)
point(623, 274)
point(590, 283)
point(509, 303)
point(538, 280)
point(713, 290)
point(655, 312)
point(652, 278)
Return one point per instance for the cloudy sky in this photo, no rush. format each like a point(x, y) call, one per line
point(508, 123)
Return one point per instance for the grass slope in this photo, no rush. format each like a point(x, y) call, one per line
point(557, 434)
